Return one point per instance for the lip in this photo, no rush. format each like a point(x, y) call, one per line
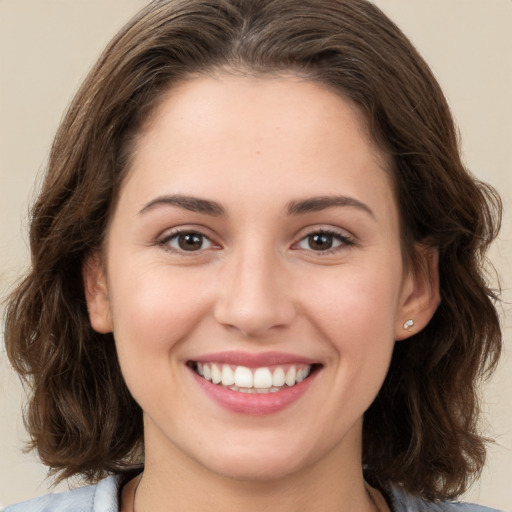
point(254, 404)
point(253, 359)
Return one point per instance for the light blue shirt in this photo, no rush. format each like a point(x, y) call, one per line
point(104, 497)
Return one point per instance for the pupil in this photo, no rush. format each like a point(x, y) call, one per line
point(190, 242)
point(320, 241)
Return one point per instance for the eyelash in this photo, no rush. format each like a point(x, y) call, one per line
point(165, 241)
point(345, 241)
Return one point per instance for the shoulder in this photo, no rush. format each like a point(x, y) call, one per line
point(102, 497)
point(404, 502)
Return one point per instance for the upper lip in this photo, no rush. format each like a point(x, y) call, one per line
point(252, 359)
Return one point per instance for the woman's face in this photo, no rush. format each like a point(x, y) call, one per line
point(256, 240)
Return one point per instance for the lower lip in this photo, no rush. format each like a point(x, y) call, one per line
point(254, 404)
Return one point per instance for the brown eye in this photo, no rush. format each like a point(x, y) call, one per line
point(324, 241)
point(320, 241)
point(188, 241)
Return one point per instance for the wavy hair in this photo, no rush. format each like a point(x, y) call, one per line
point(421, 431)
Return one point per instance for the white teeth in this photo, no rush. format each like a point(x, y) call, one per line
point(305, 373)
point(216, 374)
point(258, 380)
point(278, 378)
point(290, 376)
point(262, 378)
point(243, 377)
point(228, 377)
point(252, 391)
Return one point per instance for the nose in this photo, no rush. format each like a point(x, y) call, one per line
point(254, 297)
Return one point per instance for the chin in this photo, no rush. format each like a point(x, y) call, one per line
point(257, 462)
point(257, 470)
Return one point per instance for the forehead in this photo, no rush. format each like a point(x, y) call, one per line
point(265, 134)
point(263, 100)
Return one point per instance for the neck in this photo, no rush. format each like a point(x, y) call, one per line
point(175, 482)
point(143, 495)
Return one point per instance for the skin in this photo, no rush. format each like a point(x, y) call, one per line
point(254, 145)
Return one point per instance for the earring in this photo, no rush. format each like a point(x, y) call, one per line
point(408, 324)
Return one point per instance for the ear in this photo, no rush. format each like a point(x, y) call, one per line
point(420, 293)
point(96, 294)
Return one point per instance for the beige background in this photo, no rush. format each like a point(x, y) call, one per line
point(46, 47)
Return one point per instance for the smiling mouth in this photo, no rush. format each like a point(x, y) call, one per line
point(254, 380)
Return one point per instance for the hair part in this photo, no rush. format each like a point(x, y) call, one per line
point(422, 430)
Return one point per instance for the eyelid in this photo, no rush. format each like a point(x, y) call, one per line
point(164, 239)
point(347, 239)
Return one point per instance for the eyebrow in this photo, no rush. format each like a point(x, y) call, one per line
point(193, 204)
point(316, 204)
point(208, 207)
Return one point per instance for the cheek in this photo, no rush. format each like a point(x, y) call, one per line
point(359, 298)
point(355, 312)
point(355, 317)
point(153, 311)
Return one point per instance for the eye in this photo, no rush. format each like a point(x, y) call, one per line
point(324, 241)
point(187, 241)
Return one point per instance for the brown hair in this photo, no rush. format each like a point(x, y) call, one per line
point(421, 431)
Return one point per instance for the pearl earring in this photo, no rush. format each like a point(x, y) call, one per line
point(408, 324)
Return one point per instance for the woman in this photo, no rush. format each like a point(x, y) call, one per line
point(257, 271)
